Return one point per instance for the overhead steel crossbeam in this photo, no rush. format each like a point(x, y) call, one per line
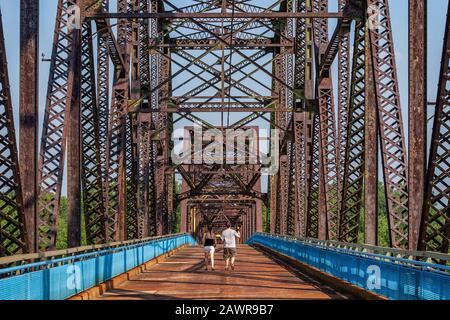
point(208, 15)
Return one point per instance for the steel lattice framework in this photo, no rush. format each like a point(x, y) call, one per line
point(124, 79)
point(12, 221)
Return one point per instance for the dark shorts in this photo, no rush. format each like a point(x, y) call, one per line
point(229, 253)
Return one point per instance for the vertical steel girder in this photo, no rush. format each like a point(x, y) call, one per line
point(132, 154)
point(329, 149)
point(370, 154)
point(394, 157)
point(312, 219)
point(329, 156)
point(352, 191)
point(163, 180)
point(53, 139)
point(276, 181)
point(298, 164)
point(74, 152)
point(272, 202)
point(417, 129)
point(344, 63)
point(103, 87)
point(93, 192)
point(302, 139)
point(133, 130)
point(116, 161)
point(160, 75)
point(435, 231)
point(143, 134)
point(311, 135)
point(154, 32)
point(13, 236)
point(291, 217)
point(117, 135)
point(29, 113)
point(283, 70)
point(301, 50)
point(282, 191)
point(144, 167)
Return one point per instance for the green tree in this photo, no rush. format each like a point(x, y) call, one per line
point(61, 236)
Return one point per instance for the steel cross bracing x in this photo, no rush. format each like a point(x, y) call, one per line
point(161, 64)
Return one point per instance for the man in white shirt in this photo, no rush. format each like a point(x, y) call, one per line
point(229, 245)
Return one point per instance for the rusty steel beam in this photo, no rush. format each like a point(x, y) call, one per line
point(74, 143)
point(133, 132)
point(54, 131)
point(29, 111)
point(393, 147)
point(286, 98)
point(13, 229)
point(353, 178)
point(199, 44)
point(344, 65)
point(132, 154)
point(301, 140)
point(312, 218)
point(93, 156)
point(417, 132)
point(435, 226)
point(291, 216)
point(214, 15)
point(116, 161)
point(329, 149)
point(213, 107)
point(370, 155)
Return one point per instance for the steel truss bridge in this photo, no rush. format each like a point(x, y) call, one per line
point(122, 79)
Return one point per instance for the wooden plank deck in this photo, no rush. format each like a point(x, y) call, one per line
point(256, 276)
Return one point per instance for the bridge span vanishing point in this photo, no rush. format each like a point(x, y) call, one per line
point(280, 117)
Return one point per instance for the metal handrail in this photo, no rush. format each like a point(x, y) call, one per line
point(390, 252)
point(427, 266)
point(57, 254)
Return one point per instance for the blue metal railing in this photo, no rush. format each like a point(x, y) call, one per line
point(64, 277)
point(391, 277)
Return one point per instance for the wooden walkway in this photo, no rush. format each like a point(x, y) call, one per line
point(256, 276)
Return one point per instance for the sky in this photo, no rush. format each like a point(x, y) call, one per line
point(437, 10)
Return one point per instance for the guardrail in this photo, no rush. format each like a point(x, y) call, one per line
point(392, 277)
point(65, 273)
point(20, 259)
point(427, 256)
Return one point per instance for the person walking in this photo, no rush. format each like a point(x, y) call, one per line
point(209, 243)
point(229, 245)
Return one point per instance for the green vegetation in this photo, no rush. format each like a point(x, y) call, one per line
point(383, 227)
point(61, 238)
point(265, 218)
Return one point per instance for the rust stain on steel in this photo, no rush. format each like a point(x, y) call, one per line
point(29, 110)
